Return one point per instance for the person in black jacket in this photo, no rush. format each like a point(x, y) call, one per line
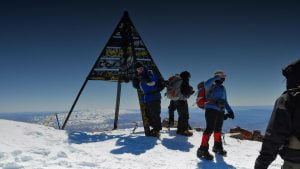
point(283, 132)
point(181, 105)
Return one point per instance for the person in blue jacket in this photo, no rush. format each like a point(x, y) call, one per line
point(216, 103)
point(151, 86)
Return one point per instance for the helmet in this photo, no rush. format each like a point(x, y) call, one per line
point(220, 73)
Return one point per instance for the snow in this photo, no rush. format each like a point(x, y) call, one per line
point(33, 146)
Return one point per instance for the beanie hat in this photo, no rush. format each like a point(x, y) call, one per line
point(185, 75)
point(292, 74)
point(292, 70)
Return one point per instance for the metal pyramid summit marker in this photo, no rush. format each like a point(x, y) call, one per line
point(124, 48)
point(116, 63)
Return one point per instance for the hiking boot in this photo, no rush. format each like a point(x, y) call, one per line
point(171, 123)
point(218, 148)
point(202, 152)
point(185, 133)
point(154, 133)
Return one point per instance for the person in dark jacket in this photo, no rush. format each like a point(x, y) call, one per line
point(283, 132)
point(151, 86)
point(181, 104)
point(216, 103)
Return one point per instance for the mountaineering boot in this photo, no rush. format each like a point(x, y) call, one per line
point(154, 133)
point(218, 148)
point(189, 127)
point(185, 133)
point(171, 122)
point(202, 152)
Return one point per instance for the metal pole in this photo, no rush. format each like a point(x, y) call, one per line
point(75, 101)
point(57, 120)
point(117, 104)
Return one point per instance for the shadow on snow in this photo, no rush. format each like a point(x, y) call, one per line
point(82, 137)
point(178, 142)
point(217, 164)
point(134, 144)
point(127, 143)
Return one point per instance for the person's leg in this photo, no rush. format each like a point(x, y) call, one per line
point(290, 165)
point(172, 108)
point(210, 117)
point(218, 146)
point(183, 118)
point(154, 112)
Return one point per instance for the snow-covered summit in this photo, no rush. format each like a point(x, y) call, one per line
point(32, 146)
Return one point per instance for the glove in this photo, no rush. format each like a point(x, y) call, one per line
point(229, 115)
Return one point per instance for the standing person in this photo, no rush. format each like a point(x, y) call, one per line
point(283, 132)
point(182, 91)
point(151, 86)
point(216, 103)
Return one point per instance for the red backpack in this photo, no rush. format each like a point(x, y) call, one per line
point(201, 99)
point(201, 96)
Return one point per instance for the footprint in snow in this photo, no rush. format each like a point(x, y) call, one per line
point(12, 166)
point(26, 158)
point(87, 164)
point(16, 153)
point(2, 155)
point(34, 133)
point(41, 151)
point(62, 154)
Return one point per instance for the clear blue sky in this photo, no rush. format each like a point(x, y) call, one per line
point(48, 47)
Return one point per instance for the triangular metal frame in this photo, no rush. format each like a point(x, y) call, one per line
point(116, 63)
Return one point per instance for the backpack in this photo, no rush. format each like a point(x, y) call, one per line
point(201, 96)
point(201, 99)
point(293, 108)
point(173, 87)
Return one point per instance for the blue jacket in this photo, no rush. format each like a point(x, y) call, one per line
point(219, 93)
point(151, 87)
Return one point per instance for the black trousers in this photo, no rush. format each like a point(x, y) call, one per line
point(153, 110)
point(172, 108)
point(183, 114)
point(214, 121)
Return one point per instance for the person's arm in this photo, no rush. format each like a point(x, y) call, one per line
point(210, 82)
point(227, 106)
point(136, 83)
point(277, 133)
point(159, 86)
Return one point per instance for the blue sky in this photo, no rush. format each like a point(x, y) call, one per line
point(48, 47)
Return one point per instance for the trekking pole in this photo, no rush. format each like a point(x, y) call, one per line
point(223, 136)
point(135, 126)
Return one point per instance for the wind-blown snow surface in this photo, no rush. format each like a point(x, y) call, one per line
point(32, 146)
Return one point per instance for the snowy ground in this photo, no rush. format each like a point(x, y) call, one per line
point(32, 146)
